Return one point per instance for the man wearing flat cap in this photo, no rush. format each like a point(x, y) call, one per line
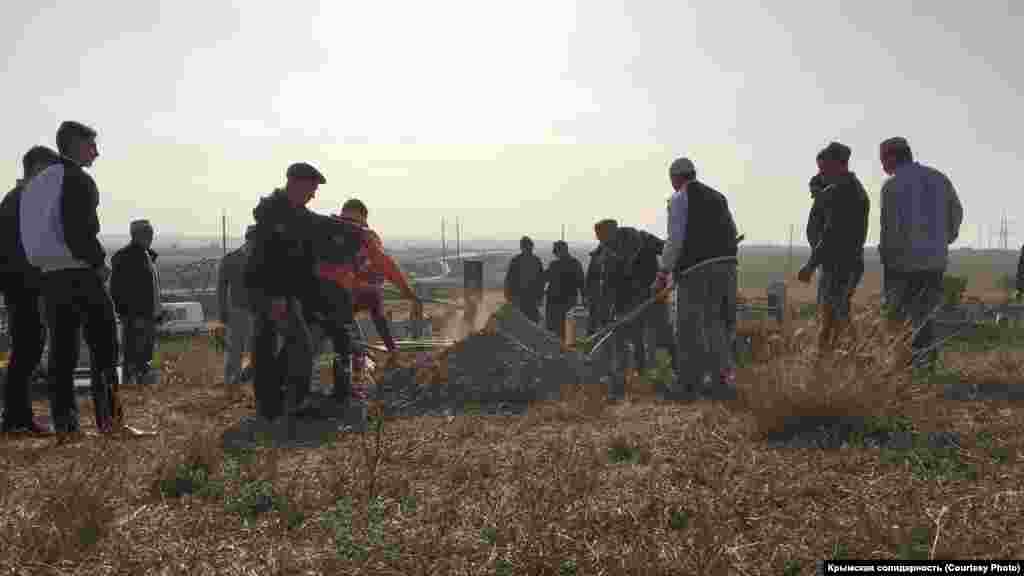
point(921, 217)
point(135, 289)
point(837, 229)
point(288, 243)
point(702, 242)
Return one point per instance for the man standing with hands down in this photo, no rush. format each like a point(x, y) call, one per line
point(59, 231)
point(20, 285)
point(702, 243)
point(920, 217)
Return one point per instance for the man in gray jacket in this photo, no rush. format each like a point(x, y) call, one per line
point(921, 216)
point(233, 306)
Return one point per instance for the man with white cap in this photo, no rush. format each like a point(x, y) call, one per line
point(702, 242)
point(921, 217)
point(135, 288)
point(233, 309)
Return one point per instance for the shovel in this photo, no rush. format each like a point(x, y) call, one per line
point(602, 335)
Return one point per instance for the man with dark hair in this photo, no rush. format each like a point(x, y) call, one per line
point(68, 252)
point(702, 241)
point(135, 289)
point(920, 217)
point(564, 278)
point(524, 281)
point(837, 229)
point(288, 244)
point(20, 284)
point(233, 309)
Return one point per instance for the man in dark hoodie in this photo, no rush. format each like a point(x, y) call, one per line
point(524, 281)
point(564, 278)
point(20, 284)
point(837, 229)
point(68, 252)
point(289, 242)
point(135, 288)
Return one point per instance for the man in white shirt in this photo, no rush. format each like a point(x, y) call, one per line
point(702, 242)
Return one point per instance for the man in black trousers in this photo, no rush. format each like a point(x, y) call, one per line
point(20, 285)
point(67, 251)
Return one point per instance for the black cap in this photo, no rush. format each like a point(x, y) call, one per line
point(305, 171)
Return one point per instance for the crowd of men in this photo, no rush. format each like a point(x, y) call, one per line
point(301, 277)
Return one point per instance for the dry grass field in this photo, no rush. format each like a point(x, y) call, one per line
point(577, 486)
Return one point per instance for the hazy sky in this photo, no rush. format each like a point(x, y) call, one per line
point(516, 116)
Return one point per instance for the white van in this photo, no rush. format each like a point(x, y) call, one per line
point(183, 318)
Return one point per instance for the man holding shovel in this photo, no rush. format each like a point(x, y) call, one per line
point(700, 256)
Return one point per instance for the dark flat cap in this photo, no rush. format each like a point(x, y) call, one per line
point(306, 172)
point(895, 143)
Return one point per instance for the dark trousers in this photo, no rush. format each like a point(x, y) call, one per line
point(915, 296)
point(634, 332)
point(554, 316)
point(25, 327)
point(288, 369)
point(77, 299)
point(530, 309)
point(139, 340)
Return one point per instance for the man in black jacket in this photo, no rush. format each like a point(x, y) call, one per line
point(631, 267)
point(564, 278)
point(135, 288)
point(524, 281)
point(702, 241)
point(68, 252)
point(20, 285)
point(837, 229)
point(288, 243)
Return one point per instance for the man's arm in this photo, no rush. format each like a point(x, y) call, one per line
point(79, 201)
point(579, 286)
point(223, 285)
point(677, 209)
point(883, 226)
point(382, 261)
point(956, 211)
point(510, 274)
point(117, 282)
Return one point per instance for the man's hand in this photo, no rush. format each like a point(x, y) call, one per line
point(279, 309)
point(805, 273)
point(662, 281)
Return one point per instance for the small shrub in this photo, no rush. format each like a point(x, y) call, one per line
point(622, 450)
point(917, 547)
point(791, 568)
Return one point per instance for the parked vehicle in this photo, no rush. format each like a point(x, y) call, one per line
point(183, 318)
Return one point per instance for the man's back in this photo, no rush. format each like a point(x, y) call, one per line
point(920, 218)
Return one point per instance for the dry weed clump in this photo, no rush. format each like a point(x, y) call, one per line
point(858, 378)
point(67, 512)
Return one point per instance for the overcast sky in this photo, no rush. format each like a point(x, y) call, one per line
point(517, 117)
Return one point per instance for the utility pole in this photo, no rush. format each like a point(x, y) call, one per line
point(458, 238)
point(444, 251)
point(563, 232)
point(224, 232)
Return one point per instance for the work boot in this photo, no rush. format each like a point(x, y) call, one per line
point(342, 391)
point(106, 401)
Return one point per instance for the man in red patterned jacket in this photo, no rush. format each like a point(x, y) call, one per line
point(365, 280)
